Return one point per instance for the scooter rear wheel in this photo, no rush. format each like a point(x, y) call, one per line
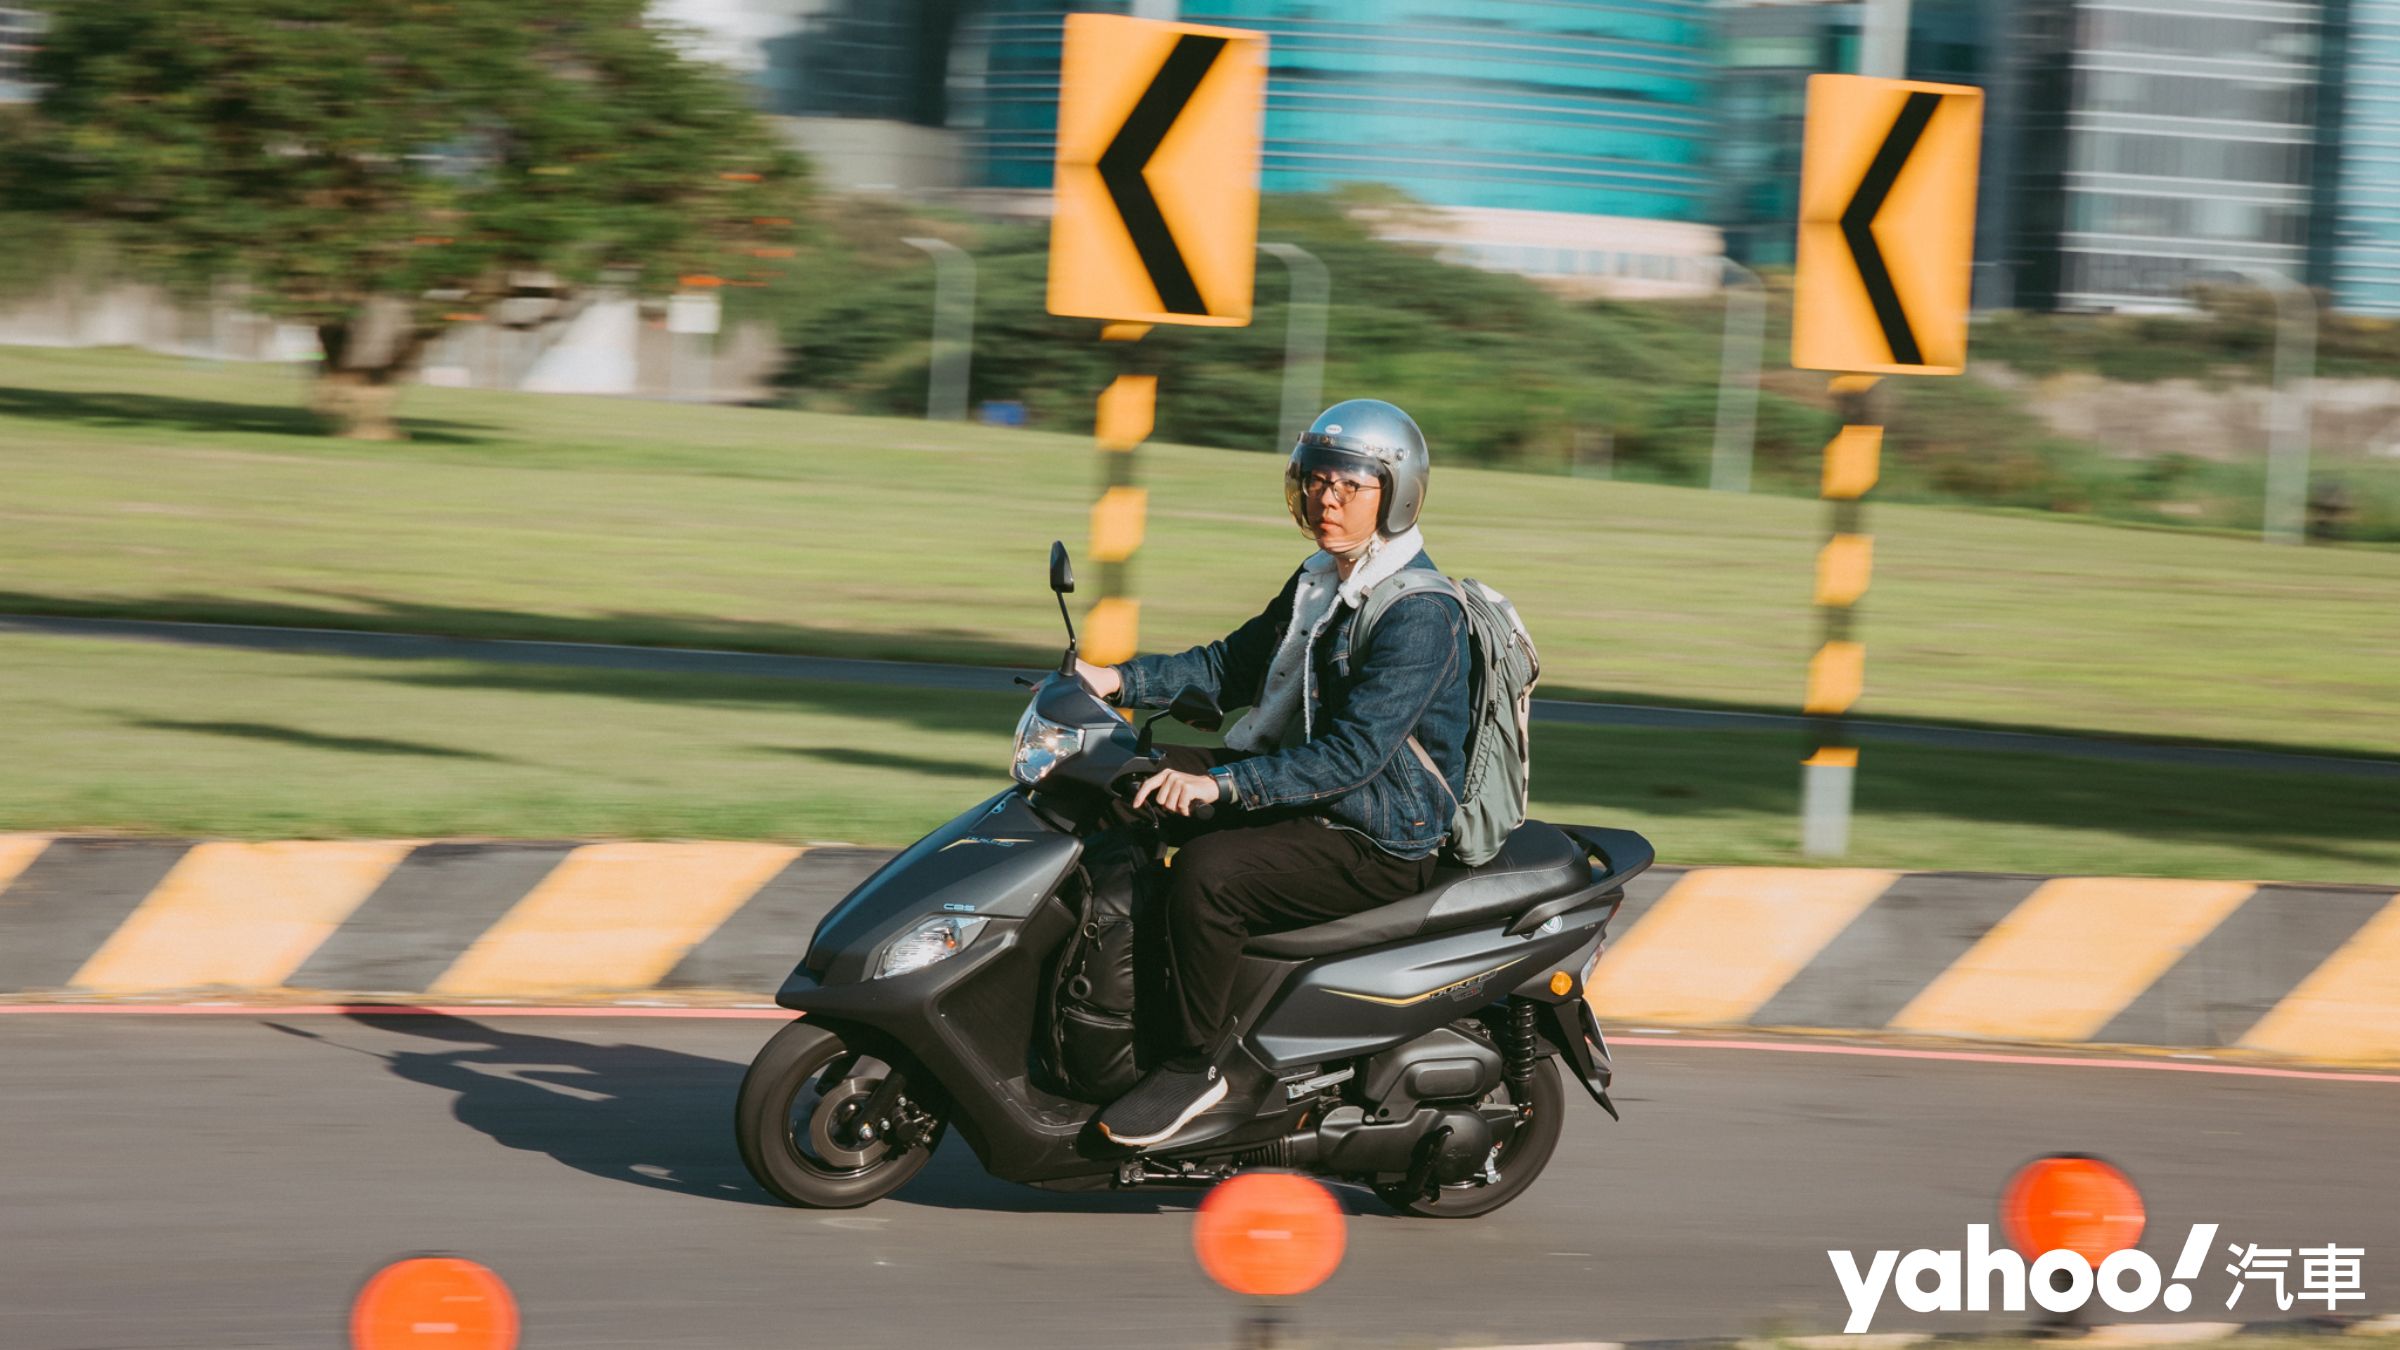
point(794, 1122)
point(1521, 1159)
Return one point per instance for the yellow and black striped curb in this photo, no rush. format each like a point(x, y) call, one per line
point(2302, 972)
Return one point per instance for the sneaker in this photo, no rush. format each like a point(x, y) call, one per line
point(1166, 1100)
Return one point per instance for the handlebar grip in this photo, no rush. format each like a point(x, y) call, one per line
point(1132, 783)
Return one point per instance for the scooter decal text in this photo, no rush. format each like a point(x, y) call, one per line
point(1458, 989)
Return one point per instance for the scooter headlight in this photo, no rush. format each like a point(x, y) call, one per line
point(931, 941)
point(1041, 744)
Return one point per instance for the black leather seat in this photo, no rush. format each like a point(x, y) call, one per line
point(1537, 863)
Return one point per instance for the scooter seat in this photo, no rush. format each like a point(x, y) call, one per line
point(1537, 863)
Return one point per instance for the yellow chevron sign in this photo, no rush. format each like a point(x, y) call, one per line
point(1156, 214)
point(1887, 226)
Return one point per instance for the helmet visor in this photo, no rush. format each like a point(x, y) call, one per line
point(1307, 487)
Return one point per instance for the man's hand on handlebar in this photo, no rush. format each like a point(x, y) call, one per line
point(1101, 680)
point(1176, 791)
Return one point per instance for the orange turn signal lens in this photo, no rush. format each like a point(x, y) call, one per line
point(1561, 982)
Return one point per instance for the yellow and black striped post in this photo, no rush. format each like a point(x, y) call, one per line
point(1128, 408)
point(1837, 673)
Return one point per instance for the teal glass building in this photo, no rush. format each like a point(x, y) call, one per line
point(1568, 106)
point(2365, 245)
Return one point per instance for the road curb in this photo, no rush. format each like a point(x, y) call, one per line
point(2308, 974)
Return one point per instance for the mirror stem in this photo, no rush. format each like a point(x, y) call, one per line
point(1066, 664)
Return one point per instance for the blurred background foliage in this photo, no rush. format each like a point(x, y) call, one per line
point(596, 156)
point(374, 172)
point(1514, 376)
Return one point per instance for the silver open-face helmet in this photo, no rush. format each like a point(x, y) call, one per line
point(1364, 437)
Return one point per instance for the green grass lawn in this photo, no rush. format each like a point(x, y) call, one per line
point(204, 742)
point(149, 486)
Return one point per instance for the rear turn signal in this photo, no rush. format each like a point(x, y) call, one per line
point(1561, 982)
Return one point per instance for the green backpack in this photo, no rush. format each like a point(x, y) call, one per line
point(1500, 702)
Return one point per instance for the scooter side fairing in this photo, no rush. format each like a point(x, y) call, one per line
point(999, 859)
point(967, 1021)
point(1357, 1003)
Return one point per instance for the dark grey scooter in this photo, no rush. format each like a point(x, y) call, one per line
point(1414, 1048)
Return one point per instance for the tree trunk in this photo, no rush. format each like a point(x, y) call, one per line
point(366, 361)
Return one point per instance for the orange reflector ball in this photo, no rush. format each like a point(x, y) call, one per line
point(2075, 1202)
point(1269, 1234)
point(434, 1303)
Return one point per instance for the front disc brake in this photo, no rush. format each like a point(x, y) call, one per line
point(833, 1120)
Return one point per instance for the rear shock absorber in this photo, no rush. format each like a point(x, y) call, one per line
point(1520, 1045)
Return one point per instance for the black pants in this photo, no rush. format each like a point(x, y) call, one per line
point(1244, 873)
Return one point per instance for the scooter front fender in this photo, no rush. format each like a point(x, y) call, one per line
point(998, 860)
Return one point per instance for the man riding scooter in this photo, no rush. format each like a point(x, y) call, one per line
point(1336, 790)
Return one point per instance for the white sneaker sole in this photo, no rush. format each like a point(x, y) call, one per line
point(1207, 1099)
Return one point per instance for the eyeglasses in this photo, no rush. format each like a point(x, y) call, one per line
point(1343, 488)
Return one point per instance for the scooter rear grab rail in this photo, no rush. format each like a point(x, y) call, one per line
point(1622, 854)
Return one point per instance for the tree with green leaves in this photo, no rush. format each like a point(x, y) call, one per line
point(378, 169)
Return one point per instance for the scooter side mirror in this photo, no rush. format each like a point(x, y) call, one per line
point(1195, 707)
point(1062, 581)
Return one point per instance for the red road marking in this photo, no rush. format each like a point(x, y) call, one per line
point(389, 1010)
point(1616, 1043)
point(1989, 1057)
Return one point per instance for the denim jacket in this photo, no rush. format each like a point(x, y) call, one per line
point(1408, 677)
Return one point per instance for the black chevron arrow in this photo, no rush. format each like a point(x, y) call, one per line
point(1858, 224)
point(1122, 163)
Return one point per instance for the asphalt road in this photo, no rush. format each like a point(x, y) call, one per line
point(230, 1181)
point(995, 679)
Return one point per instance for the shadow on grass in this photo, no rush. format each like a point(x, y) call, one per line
point(1589, 773)
point(343, 613)
point(883, 759)
point(1600, 773)
point(118, 409)
point(310, 740)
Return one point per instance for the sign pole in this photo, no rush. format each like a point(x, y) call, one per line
point(1128, 410)
point(1837, 674)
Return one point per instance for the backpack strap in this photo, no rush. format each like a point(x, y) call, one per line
point(1387, 592)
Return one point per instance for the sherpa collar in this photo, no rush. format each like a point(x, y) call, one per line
point(1283, 701)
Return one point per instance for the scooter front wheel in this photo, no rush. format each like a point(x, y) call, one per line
point(798, 1122)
